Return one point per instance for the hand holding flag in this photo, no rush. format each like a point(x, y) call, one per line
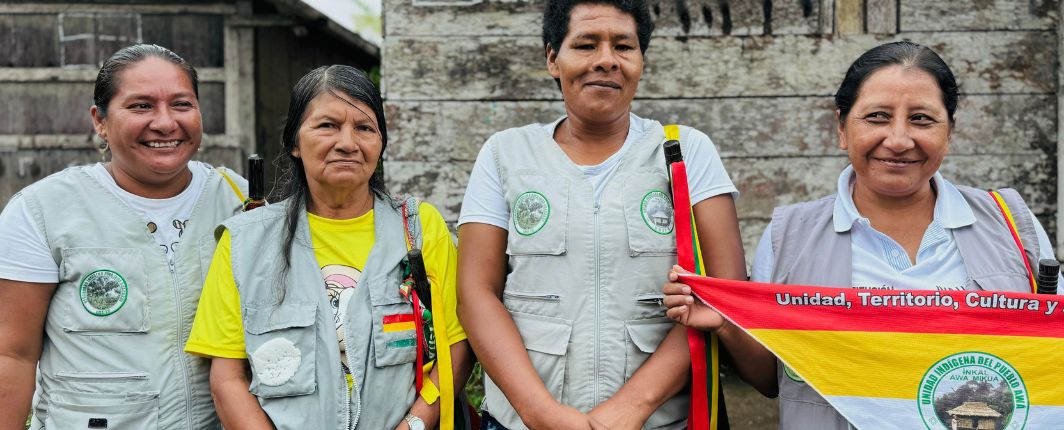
point(684, 309)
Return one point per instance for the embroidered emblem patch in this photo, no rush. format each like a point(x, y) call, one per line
point(657, 212)
point(276, 361)
point(103, 292)
point(530, 213)
point(973, 387)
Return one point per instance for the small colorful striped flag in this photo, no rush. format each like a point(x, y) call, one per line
point(899, 359)
point(398, 322)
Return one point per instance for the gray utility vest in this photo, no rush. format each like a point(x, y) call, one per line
point(808, 251)
point(114, 342)
point(585, 279)
point(292, 345)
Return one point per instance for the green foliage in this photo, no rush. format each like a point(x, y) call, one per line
point(375, 75)
point(999, 398)
point(102, 292)
point(475, 387)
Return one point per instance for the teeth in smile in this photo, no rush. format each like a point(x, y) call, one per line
point(167, 144)
point(901, 162)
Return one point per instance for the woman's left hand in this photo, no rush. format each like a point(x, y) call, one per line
point(684, 309)
point(616, 416)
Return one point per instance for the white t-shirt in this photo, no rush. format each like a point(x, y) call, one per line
point(879, 262)
point(27, 258)
point(485, 201)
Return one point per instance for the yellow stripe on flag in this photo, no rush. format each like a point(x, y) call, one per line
point(841, 365)
point(399, 326)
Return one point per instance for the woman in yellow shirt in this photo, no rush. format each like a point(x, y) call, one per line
point(311, 298)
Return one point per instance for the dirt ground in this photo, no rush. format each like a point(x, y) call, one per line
point(748, 409)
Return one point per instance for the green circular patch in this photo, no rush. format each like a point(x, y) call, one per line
point(530, 213)
point(103, 292)
point(790, 374)
point(657, 211)
point(972, 387)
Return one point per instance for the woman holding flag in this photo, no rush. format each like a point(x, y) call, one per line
point(895, 223)
point(316, 312)
point(566, 234)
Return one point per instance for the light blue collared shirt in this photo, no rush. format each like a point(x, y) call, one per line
point(880, 262)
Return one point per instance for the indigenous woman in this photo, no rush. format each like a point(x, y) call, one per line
point(101, 266)
point(311, 296)
point(566, 235)
point(895, 222)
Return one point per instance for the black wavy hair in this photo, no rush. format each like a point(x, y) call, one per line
point(556, 20)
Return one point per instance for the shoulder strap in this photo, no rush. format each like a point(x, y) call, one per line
point(236, 189)
point(410, 211)
point(1007, 214)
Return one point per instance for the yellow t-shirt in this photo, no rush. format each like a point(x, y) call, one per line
point(341, 248)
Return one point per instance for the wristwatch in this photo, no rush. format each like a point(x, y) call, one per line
point(414, 422)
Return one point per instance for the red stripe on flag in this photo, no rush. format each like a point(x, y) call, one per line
point(698, 418)
point(398, 318)
point(754, 305)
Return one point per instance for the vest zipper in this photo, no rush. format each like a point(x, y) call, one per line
point(180, 338)
point(598, 304)
point(101, 377)
point(350, 393)
point(532, 295)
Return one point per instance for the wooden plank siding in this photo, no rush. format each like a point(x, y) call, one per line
point(681, 18)
point(514, 68)
point(456, 71)
point(982, 15)
point(29, 40)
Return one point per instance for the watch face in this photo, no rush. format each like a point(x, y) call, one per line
point(415, 423)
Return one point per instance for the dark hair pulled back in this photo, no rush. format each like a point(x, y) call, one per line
point(107, 81)
point(906, 54)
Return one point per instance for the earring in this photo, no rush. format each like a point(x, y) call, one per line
point(103, 147)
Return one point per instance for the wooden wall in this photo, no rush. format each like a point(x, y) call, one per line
point(757, 76)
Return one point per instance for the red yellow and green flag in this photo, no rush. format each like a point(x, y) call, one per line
point(898, 359)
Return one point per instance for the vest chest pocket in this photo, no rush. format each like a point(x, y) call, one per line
point(538, 215)
point(394, 333)
point(649, 215)
point(103, 290)
point(282, 345)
